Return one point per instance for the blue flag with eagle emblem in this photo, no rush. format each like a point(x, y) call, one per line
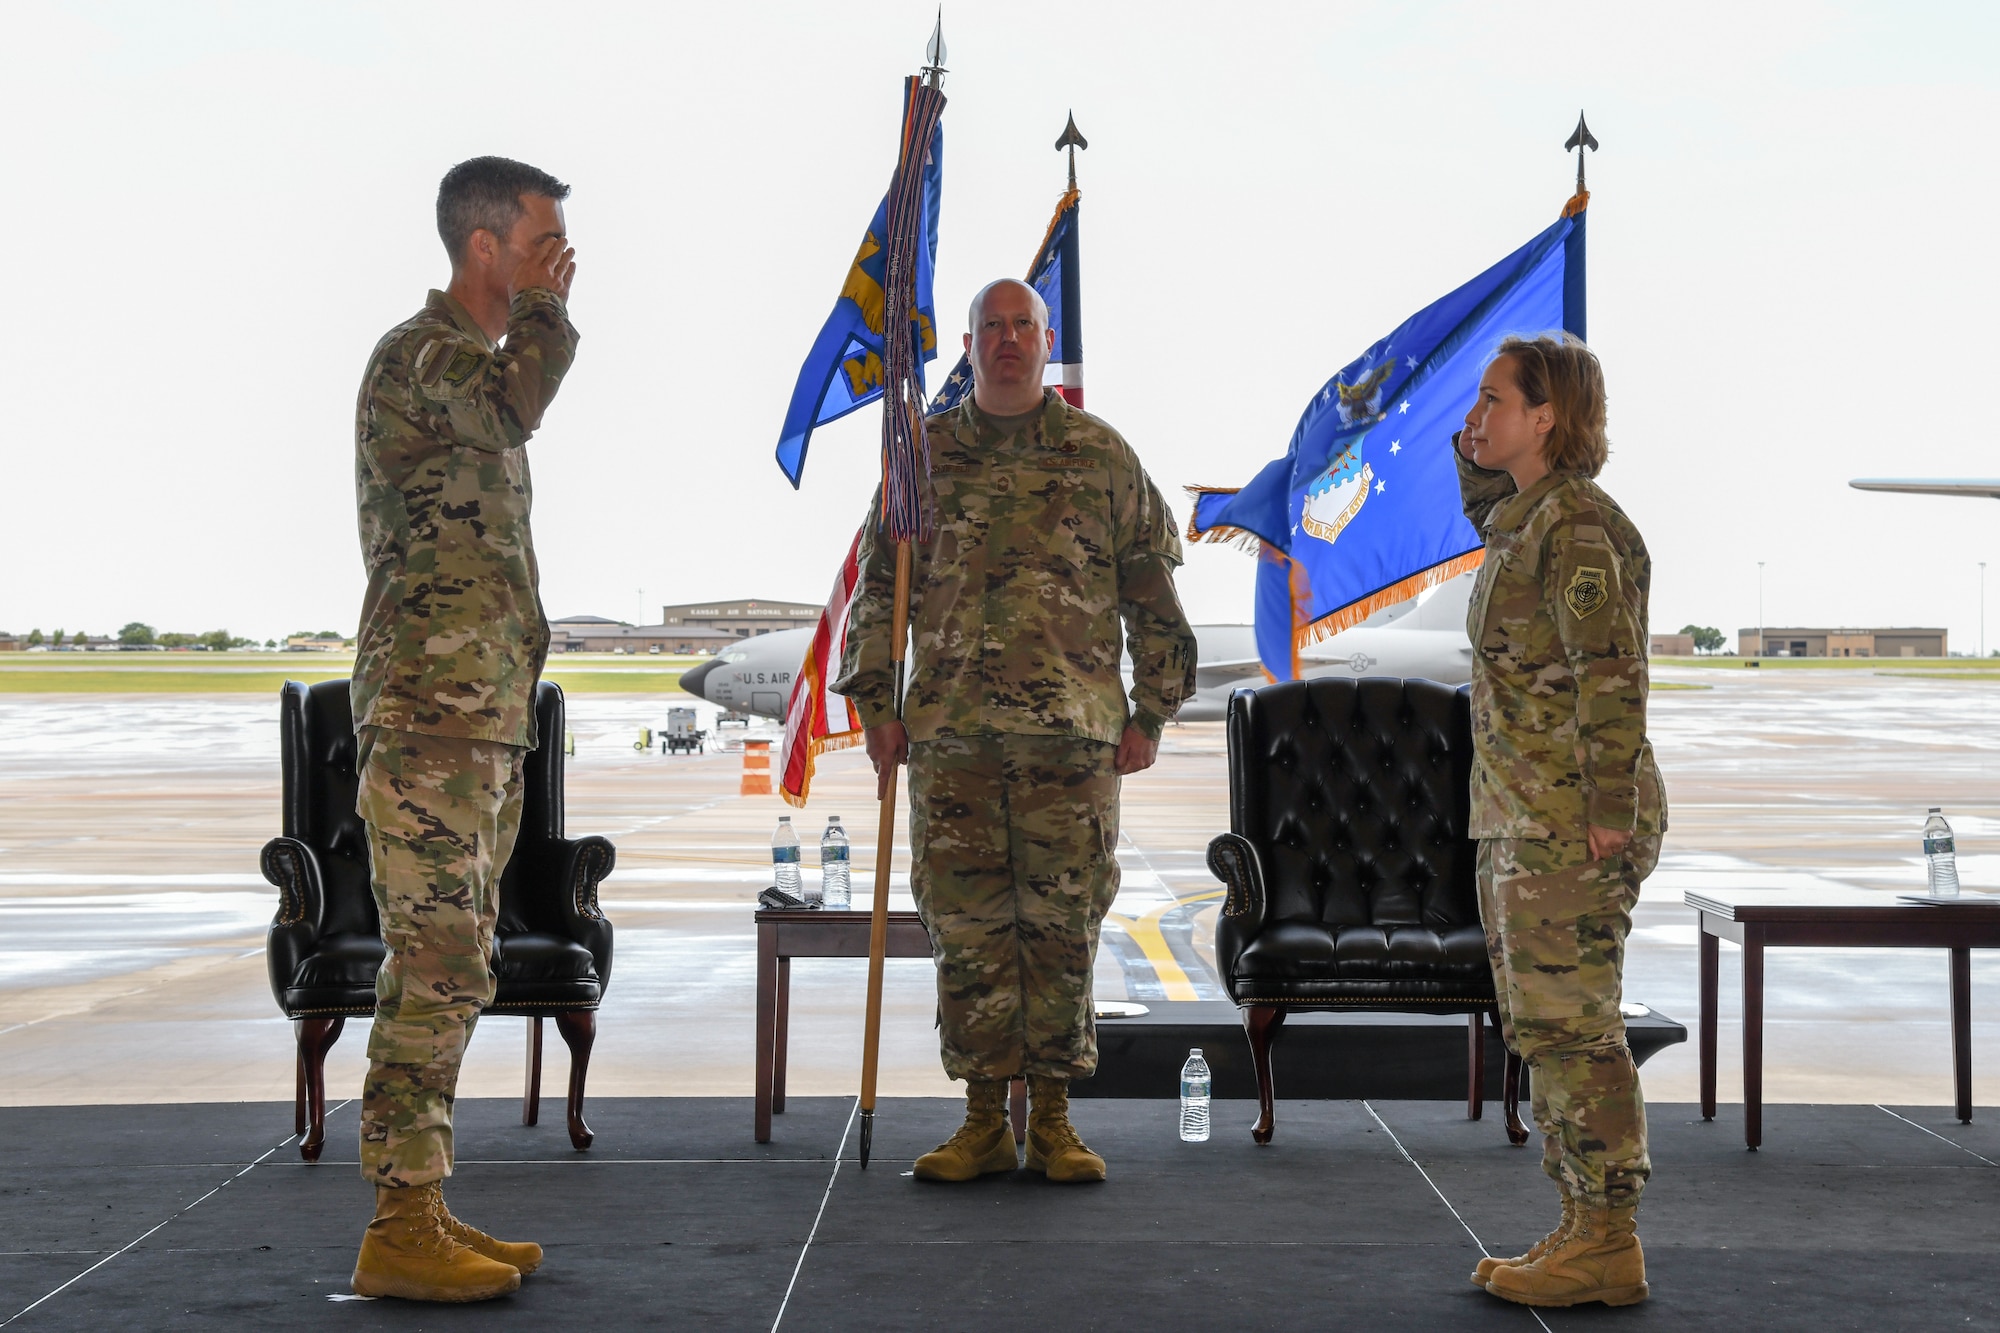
point(843, 371)
point(1363, 510)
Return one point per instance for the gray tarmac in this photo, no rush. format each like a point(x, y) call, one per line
point(132, 913)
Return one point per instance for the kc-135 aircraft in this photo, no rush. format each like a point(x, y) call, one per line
point(1423, 637)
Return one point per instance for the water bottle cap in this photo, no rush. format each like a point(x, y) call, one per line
point(1937, 810)
point(784, 819)
point(1195, 1051)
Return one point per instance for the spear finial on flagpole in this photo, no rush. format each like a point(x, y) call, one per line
point(934, 70)
point(1071, 140)
point(1580, 140)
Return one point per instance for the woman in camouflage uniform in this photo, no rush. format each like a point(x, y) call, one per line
point(1566, 800)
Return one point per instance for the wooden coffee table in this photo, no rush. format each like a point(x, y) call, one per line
point(789, 933)
point(1759, 919)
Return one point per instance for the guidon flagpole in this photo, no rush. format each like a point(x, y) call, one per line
point(906, 512)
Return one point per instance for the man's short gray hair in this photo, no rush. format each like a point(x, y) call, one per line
point(484, 194)
point(979, 303)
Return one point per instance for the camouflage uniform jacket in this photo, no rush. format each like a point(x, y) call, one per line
point(1558, 629)
point(452, 633)
point(1044, 539)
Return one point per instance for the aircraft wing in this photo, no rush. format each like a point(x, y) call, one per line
point(1208, 675)
point(1988, 487)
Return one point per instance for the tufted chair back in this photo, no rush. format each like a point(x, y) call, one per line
point(1356, 794)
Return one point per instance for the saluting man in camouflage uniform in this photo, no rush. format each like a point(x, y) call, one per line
point(1567, 802)
point(451, 647)
point(1016, 727)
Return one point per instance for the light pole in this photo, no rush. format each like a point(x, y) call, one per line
point(1760, 608)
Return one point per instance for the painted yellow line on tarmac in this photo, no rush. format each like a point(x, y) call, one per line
point(1145, 932)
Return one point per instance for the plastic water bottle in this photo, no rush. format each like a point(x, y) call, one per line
point(1942, 853)
point(1194, 1098)
point(785, 857)
point(835, 886)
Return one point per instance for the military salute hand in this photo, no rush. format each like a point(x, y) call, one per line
point(551, 265)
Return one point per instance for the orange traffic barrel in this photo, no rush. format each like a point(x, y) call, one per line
point(756, 768)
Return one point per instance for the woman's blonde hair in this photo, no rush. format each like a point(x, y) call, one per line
point(1560, 370)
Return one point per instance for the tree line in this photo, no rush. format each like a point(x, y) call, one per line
point(138, 634)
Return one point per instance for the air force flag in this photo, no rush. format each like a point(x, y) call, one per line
point(1363, 510)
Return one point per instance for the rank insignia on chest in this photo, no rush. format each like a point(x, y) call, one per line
point(1585, 593)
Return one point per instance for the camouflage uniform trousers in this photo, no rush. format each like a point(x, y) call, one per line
point(1013, 868)
point(442, 815)
point(1556, 923)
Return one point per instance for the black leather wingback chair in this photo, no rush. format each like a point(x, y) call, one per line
point(1351, 878)
point(552, 947)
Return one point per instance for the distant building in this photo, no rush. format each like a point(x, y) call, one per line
point(1784, 642)
point(742, 620)
point(596, 634)
point(12, 643)
point(312, 643)
point(1670, 645)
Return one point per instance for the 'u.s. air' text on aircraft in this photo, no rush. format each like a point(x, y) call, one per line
point(1419, 638)
point(1988, 487)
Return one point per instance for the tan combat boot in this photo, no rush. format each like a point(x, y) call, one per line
point(983, 1144)
point(1053, 1146)
point(1600, 1260)
point(407, 1252)
point(1484, 1273)
point(524, 1255)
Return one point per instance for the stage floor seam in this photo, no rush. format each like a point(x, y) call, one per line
point(1946, 1138)
point(832, 1179)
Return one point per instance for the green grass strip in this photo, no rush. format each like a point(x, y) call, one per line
point(73, 680)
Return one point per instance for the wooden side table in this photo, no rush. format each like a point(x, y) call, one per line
point(1759, 919)
point(787, 933)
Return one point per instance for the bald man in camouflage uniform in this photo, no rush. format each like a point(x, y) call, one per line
point(451, 647)
point(1016, 726)
point(1569, 809)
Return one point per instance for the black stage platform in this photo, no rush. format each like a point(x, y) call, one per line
point(1338, 1055)
point(1362, 1215)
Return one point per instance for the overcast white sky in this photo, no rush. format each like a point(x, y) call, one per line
point(214, 210)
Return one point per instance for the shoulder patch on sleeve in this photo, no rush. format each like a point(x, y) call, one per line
point(1586, 593)
point(444, 364)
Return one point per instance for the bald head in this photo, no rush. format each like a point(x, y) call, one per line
point(1035, 302)
point(1008, 345)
